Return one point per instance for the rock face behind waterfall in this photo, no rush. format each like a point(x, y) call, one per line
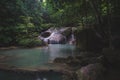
point(56, 35)
point(56, 38)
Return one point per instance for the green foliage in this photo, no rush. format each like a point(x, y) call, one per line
point(29, 42)
point(21, 19)
point(46, 26)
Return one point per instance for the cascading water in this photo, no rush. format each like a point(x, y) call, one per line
point(72, 39)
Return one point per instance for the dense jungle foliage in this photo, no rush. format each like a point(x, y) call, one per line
point(21, 21)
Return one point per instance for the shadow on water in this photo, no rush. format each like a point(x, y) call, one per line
point(8, 75)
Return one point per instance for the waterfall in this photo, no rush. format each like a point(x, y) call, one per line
point(72, 39)
point(72, 36)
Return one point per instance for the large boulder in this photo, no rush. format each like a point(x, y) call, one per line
point(91, 72)
point(60, 60)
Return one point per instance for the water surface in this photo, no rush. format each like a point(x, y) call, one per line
point(37, 56)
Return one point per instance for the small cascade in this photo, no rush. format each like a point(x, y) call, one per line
point(72, 39)
point(72, 36)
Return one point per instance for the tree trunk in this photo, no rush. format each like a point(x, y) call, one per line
point(109, 23)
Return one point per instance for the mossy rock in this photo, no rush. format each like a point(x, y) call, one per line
point(60, 60)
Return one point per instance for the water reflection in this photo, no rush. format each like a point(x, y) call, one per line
point(37, 56)
point(60, 50)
